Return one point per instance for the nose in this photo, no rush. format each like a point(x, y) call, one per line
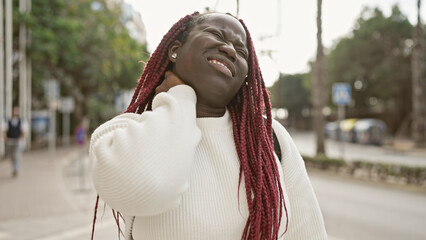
point(229, 49)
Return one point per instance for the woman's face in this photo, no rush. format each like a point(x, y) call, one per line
point(213, 59)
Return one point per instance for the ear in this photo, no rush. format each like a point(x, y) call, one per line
point(173, 49)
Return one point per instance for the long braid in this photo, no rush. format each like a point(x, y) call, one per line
point(255, 150)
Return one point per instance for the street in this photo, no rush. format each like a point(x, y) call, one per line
point(354, 209)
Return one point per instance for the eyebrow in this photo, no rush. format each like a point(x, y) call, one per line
point(238, 41)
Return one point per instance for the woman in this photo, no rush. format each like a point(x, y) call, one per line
point(196, 161)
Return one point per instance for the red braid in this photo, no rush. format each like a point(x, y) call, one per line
point(253, 138)
point(156, 67)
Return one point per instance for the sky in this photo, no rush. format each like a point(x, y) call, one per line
point(286, 29)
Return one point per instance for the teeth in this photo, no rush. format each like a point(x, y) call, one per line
point(219, 63)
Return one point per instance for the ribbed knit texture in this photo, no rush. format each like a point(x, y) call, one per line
point(178, 174)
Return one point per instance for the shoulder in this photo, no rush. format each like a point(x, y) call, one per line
point(288, 148)
point(280, 131)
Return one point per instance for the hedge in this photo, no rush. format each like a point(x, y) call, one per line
point(373, 171)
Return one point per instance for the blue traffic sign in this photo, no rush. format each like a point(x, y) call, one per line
point(341, 93)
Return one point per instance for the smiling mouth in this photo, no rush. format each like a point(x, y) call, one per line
point(221, 67)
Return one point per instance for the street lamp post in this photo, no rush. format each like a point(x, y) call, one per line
point(8, 57)
point(1, 78)
point(23, 62)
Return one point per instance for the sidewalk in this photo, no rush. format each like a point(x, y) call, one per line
point(406, 146)
point(51, 199)
point(401, 154)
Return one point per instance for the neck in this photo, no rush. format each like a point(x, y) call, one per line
point(207, 111)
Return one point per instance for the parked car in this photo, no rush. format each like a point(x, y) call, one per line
point(347, 129)
point(370, 131)
point(331, 130)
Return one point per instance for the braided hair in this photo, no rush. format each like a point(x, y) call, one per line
point(252, 134)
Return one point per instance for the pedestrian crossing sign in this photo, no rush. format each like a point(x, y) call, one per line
point(341, 93)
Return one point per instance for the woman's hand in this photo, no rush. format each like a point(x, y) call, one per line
point(170, 80)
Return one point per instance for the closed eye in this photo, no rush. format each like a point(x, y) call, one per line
point(217, 34)
point(243, 53)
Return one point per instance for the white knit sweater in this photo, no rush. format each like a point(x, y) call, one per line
point(178, 175)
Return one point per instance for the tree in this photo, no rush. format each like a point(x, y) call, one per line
point(238, 8)
point(319, 85)
point(375, 60)
point(290, 92)
point(84, 45)
point(418, 78)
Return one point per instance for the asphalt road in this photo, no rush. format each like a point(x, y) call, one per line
point(354, 209)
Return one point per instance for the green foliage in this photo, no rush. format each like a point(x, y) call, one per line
point(369, 170)
point(323, 162)
point(290, 92)
point(87, 49)
point(376, 55)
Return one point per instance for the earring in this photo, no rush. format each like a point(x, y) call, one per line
point(174, 55)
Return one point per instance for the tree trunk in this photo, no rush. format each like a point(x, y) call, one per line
point(318, 86)
point(238, 8)
point(418, 78)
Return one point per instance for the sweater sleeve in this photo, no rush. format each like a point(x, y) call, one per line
point(141, 162)
point(305, 218)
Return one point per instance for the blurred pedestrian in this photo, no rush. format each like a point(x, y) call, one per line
point(80, 134)
point(14, 133)
point(193, 156)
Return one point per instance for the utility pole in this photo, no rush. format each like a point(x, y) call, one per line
point(238, 8)
point(418, 77)
point(24, 71)
point(52, 96)
point(8, 58)
point(23, 62)
point(318, 85)
point(1, 78)
point(28, 83)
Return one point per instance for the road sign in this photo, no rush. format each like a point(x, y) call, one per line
point(67, 104)
point(341, 93)
point(51, 89)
